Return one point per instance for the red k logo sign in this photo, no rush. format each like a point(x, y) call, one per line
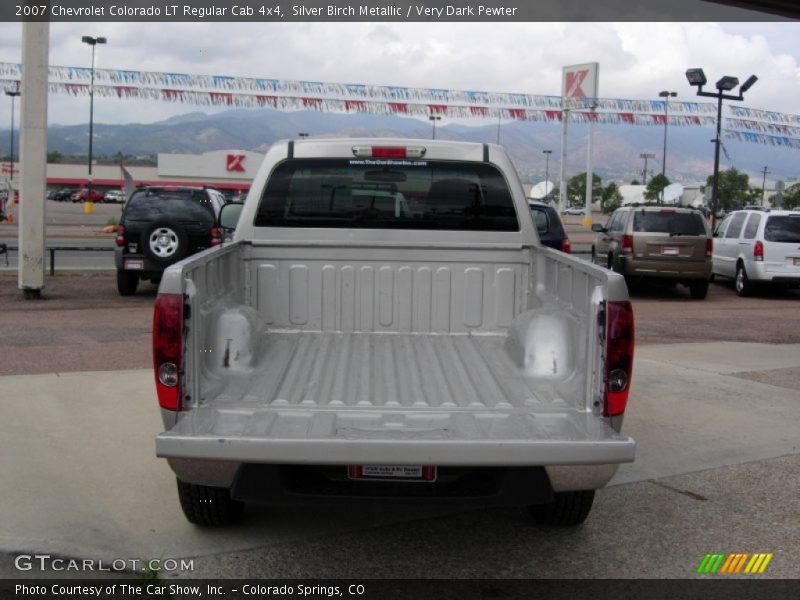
point(574, 83)
point(235, 163)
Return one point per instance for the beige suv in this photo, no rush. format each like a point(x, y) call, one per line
point(663, 242)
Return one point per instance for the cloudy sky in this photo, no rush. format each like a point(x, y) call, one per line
point(637, 60)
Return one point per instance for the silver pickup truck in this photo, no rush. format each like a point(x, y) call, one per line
point(385, 325)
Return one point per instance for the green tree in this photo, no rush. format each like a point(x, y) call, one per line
point(734, 189)
point(54, 156)
point(576, 188)
point(611, 199)
point(655, 187)
point(791, 197)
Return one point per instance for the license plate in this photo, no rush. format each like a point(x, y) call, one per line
point(670, 250)
point(392, 472)
point(134, 264)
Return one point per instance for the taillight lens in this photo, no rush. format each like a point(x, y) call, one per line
point(566, 246)
point(709, 247)
point(216, 236)
point(120, 239)
point(627, 244)
point(168, 349)
point(758, 251)
point(619, 357)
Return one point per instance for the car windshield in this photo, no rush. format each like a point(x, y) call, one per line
point(387, 193)
point(783, 229)
point(673, 223)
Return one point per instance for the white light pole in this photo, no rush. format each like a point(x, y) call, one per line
point(13, 94)
point(433, 119)
point(666, 95)
point(547, 154)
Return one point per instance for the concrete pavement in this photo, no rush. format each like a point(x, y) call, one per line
point(84, 481)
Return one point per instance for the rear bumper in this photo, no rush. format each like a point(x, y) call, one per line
point(667, 269)
point(761, 272)
point(150, 267)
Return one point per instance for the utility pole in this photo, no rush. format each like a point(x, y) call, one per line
point(763, 185)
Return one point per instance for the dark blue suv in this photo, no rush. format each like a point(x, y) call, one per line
point(548, 224)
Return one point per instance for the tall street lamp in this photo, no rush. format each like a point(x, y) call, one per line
point(433, 119)
point(697, 78)
point(666, 95)
point(645, 156)
point(547, 154)
point(764, 184)
point(10, 193)
point(92, 41)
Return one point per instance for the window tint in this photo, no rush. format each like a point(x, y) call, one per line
point(752, 226)
point(721, 226)
point(387, 193)
point(191, 205)
point(783, 229)
point(676, 223)
point(735, 228)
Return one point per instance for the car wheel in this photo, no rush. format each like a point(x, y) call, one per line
point(742, 283)
point(699, 289)
point(165, 242)
point(209, 506)
point(127, 282)
point(567, 509)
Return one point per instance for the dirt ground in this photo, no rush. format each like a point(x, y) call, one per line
point(82, 324)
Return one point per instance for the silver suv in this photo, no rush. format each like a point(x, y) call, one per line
point(758, 246)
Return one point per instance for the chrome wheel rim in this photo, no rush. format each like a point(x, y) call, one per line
point(739, 280)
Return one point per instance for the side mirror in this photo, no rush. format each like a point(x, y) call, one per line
point(229, 215)
point(597, 227)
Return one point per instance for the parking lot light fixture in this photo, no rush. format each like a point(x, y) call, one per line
point(92, 41)
point(697, 78)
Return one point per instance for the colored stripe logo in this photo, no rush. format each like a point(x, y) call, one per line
point(736, 563)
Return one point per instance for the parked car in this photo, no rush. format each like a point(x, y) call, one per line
point(342, 347)
point(574, 210)
point(161, 225)
point(655, 241)
point(758, 247)
point(114, 197)
point(65, 194)
point(549, 226)
point(85, 195)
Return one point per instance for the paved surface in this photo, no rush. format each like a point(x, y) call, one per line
point(87, 484)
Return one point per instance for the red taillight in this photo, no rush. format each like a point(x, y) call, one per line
point(216, 236)
point(709, 247)
point(168, 349)
point(388, 152)
point(566, 246)
point(627, 244)
point(120, 240)
point(758, 251)
point(619, 357)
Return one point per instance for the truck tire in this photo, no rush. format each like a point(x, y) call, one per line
point(127, 282)
point(699, 289)
point(208, 506)
point(567, 509)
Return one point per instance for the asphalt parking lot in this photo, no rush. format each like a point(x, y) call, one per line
point(714, 408)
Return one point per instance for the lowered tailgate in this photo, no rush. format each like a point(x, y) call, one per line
point(321, 398)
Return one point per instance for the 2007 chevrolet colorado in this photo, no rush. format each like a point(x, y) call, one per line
point(385, 324)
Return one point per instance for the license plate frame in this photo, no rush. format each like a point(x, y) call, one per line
point(670, 251)
point(418, 473)
point(133, 264)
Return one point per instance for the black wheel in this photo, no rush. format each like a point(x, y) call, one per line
point(165, 242)
point(594, 255)
point(699, 289)
point(567, 509)
point(127, 282)
point(208, 506)
point(742, 283)
point(610, 262)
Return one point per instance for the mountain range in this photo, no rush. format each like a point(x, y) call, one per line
point(616, 152)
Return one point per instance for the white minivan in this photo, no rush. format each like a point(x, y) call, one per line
point(758, 246)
